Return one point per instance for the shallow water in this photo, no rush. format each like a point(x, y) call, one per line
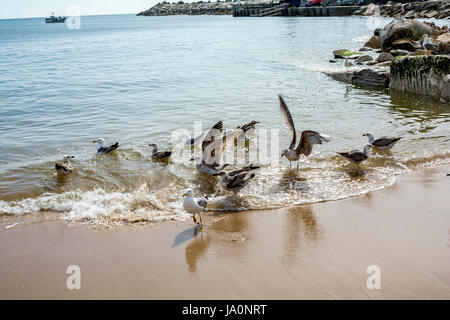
point(137, 79)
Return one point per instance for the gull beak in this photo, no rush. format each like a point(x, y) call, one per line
point(184, 195)
point(94, 141)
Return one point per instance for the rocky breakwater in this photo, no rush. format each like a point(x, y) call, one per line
point(406, 55)
point(421, 9)
point(196, 8)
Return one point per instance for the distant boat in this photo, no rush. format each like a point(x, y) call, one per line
point(54, 19)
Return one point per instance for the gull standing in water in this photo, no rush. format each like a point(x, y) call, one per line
point(383, 143)
point(236, 180)
point(101, 149)
point(64, 166)
point(357, 156)
point(159, 155)
point(307, 140)
point(194, 206)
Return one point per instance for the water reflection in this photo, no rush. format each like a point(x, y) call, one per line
point(196, 249)
point(301, 232)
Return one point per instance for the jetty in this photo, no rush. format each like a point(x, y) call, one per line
point(267, 10)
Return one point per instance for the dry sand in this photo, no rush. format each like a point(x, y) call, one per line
point(318, 251)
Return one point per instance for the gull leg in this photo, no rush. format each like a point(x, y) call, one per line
point(201, 223)
point(297, 166)
point(290, 165)
point(193, 217)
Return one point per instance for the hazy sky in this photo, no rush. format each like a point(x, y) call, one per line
point(43, 8)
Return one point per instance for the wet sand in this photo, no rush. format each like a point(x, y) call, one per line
point(318, 251)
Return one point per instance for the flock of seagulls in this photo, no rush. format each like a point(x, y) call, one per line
point(214, 143)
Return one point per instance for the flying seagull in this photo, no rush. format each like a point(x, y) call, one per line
point(194, 206)
point(103, 150)
point(64, 166)
point(357, 156)
point(236, 180)
point(307, 140)
point(159, 155)
point(383, 143)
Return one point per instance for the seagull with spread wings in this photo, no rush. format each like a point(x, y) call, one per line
point(307, 140)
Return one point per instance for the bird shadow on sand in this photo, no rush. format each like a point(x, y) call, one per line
point(185, 235)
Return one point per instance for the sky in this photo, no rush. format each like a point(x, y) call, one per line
point(44, 8)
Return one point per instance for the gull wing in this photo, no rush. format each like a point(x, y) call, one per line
point(287, 117)
point(213, 152)
point(384, 141)
point(212, 134)
point(308, 139)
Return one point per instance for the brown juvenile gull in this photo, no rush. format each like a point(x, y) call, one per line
point(194, 206)
point(102, 149)
point(213, 150)
point(348, 63)
point(159, 155)
point(308, 138)
point(64, 166)
point(357, 156)
point(383, 143)
point(236, 180)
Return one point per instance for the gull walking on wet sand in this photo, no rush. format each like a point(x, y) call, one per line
point(236, 180)
point(159, 155)
point(101, 149)
point(357, 156)
point(307, 140)
point(64, 166)
point(194, 206)
point(383, 143)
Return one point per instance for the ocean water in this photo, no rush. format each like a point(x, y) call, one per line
point(137, 79)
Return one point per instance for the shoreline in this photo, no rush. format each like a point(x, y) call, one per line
point(318, 251)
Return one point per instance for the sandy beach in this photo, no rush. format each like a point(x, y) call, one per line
point(319, 251)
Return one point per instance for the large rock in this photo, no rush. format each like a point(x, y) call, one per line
point(366, 77)
point(345, 53)
point(405, 44)
point(443, 43)
point(374, 43)
point(364, 58)
point(401, 28)
point(397, 53)
point(384, 57)
point(426, 75)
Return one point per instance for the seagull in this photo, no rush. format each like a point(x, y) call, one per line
point(428, 43)
point(213, 150)
point(161, 155)
point(348, 63)
point(194, 206)
point(64, 166)
point(236, 180)
point(383, 143)
point(103, 150)
point(308, 138)
point(357, 156)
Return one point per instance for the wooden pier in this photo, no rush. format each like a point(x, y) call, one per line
point(269, 10)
